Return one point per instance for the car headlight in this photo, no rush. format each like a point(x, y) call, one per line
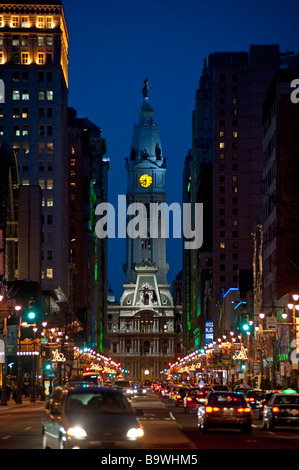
point(77, 432)
point(135, 433)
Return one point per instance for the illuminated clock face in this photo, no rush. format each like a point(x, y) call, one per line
point(145, 181)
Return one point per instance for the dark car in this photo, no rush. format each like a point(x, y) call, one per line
point(179, 397)
point(281, 410)
point(254, 398)
point(195, 397)
point(225, 409)
point(90, 418)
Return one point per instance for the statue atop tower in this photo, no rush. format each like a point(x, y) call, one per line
point(146, 87)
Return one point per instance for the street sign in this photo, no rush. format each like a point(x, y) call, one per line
point(271, 323)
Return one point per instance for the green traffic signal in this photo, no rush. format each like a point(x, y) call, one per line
point(31, 312)
point(245, 327)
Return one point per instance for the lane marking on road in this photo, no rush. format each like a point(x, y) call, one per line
point(28, 427)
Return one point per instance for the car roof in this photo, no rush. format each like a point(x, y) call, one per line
point(93, 389)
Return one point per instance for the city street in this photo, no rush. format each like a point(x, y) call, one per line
point(166, 427)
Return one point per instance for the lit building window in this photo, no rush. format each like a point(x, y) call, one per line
point(49, 183)
point(1, 22)
point(25, 95)
point(14, 22)
point(222, 145)
point(25, 182)
point(50, 147)
point(49, 22)
point(15, 95)
point(235, 223)
point(41, 95)
point(221, 134)
point(41, 58)
point(25, 22)
point(49, 273)
point(222, 245)
point(41, 183)
point(25, 113)
point(25, 58)
point(50, 95)
point(25, 40)
point(25, 129)
point(40, 41)
point(50, 201)
point(1, 58)
point(16, 131)
point(235, 178)
point(40, 22)
point(235, 134)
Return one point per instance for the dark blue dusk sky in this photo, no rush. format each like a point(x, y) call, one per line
point(115, 44)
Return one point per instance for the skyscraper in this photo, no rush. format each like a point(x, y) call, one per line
point(33, 118)
point(226, 172)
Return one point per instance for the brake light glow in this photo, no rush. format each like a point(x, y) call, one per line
point(244, 410)
point(210, 409)
point(275, 409)
point(189, 399)
point(178, 396)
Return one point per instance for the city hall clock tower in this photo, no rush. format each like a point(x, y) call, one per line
point(145, 329)
point(146, 169)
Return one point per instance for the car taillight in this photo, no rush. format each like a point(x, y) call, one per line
point(275, 409)
point(244, 410)
point(178, 396)
point(189, 399)
point(211, 409)
point(249, 399)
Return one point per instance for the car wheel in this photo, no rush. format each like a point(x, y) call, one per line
point(246, 429)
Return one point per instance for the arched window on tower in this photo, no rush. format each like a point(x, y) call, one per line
point(146, 242)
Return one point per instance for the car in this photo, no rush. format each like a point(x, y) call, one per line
point(173, 393)
point(225, 410)
point(125, 386)
point(195, 397)
point(139, 390)
point(282, 409)
point(266, 397)
point(254, 398)
point(179, 398)
point(90, 418)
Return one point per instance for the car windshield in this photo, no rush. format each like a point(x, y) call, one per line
point(96, 402)
point(287, 399)
point(233, 398)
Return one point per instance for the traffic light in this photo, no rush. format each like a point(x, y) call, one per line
point(31, 313)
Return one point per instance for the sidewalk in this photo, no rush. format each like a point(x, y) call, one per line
point(12, 405)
